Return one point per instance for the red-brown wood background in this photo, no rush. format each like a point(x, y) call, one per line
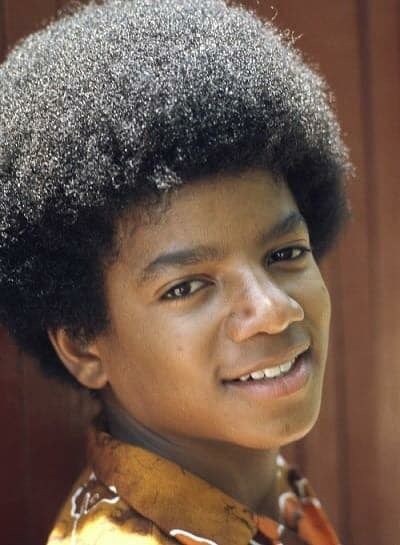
point(352, 455)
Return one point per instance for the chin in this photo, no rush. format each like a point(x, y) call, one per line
point(284, 431)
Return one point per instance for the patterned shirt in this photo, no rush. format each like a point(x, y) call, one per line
point(129, 495)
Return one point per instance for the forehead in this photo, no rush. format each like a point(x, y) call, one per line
point(210, 197)
point(221, 211)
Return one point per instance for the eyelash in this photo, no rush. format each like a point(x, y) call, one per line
point(302, 249)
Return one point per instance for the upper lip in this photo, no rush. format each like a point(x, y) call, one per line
point(271, 361)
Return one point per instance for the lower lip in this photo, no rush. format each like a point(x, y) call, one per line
point(274, 388)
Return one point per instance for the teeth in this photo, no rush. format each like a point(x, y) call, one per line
point(286, 366)
point(257, 374)
point(271, 372)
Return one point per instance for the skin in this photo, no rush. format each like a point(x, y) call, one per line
point(164, 363)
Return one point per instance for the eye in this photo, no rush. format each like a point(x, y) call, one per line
point(291, 253)
point(184, 289)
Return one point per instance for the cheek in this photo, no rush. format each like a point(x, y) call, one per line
point(327, 302)
point(164, 348)
point(318, 317)
point(321, 304)
point(314, 297)
point(184, 331)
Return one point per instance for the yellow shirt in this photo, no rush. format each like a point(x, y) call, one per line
point(130, 496)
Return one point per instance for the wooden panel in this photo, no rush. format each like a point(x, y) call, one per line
point(356, 44)
point(382, 104)
point(12, 452)
point(3, 39)
point(22, 17)
point(56, 417)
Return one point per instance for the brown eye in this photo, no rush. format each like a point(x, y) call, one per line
point(291, 253)
point(184, 289)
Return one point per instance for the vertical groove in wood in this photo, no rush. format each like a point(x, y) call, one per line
point(12, 447)
point(342, 444)
point(27, 478)
point(370, 532)
point(364, 35)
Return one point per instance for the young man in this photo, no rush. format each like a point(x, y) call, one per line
point(171, 174)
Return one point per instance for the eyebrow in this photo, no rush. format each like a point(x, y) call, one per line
point(201, 254)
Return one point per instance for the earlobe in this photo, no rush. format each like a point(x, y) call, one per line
point(81, 358)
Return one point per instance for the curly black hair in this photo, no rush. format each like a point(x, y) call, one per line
point(114, 104)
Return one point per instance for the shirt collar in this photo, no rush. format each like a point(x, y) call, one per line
point(192, 510)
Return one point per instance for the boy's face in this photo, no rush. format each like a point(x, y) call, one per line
point(252, 302)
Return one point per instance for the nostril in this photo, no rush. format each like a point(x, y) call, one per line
point(298, 310)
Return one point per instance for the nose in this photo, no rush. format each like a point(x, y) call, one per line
point(262, 306)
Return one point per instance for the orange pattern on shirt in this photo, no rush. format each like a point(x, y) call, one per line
point(129, 495)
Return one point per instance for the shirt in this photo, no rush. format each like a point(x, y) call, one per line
point(128, 495)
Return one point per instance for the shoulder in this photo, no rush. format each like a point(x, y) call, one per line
point(95, 514)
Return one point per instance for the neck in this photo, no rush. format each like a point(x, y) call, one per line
point(234, 470)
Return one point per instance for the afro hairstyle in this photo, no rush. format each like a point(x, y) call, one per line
point(117, 102)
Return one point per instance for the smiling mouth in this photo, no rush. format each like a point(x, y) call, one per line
point(275, 382)
point(271, 373)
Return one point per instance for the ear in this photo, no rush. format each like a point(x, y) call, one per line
point(81, 358)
